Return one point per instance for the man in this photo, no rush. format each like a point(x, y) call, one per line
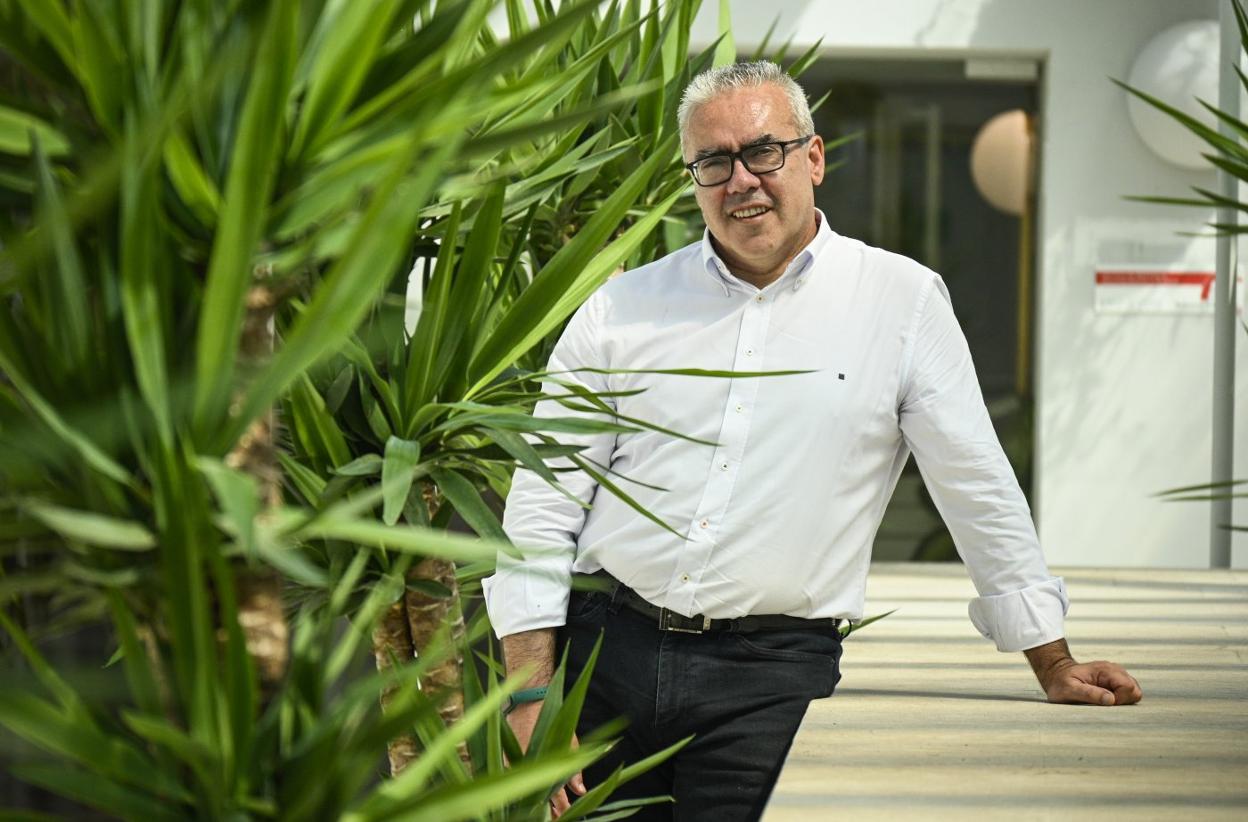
point(724, 626)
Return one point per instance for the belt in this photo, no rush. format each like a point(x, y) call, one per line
point(698, 624)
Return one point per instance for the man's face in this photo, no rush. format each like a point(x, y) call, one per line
point(730, 122)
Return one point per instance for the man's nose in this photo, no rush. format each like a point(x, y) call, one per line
point(741, 180)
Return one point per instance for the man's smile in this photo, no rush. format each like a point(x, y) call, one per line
point(750, 213)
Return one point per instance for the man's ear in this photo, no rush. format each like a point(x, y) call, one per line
point(814, 151)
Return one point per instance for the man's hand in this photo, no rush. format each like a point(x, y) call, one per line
point(529, 648)
point(1094, 683)
point(522, 720)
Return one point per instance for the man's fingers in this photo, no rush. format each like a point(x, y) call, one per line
point(578, 780)
point(559, 802)
point(1076, 691)
point(1125, 687)
point(1115, 678)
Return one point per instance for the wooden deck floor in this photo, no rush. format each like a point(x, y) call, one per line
point(930, 722)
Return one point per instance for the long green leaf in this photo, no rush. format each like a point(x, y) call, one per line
point(623, 496)
point(243, 212)
point(1211, 136)
point(47, 675)
point(469, 287)
point(72, 736)
point(314, 425)
point(381, 595)
point(170, 738)
point(138, 666)
point(349, 290)
point(96, 529)
point(104, 795)
point(16, 128)
point(398, 469)
point(434, 316)
point(469, 801)
point(726, 51)
point(69, 318)
point(54, 24)
point(403, 538)
point(416, 775)
point(525, 454)
point(238, 495)
point(190, 180)
point(142, 264)
point(353, 33)
point(90, 453)
point(467, 501)
point(573, 273)
point(397, 102)
point(101, 63)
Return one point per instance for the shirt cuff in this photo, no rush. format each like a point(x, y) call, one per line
point(1023, 619)
point(521, 599)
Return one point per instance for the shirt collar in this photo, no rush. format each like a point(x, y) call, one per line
point(796, 271)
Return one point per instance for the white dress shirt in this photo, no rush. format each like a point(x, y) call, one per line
point(778, 516)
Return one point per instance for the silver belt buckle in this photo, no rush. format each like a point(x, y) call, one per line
point(665, 623)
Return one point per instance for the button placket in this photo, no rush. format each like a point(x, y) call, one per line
point(726, 459)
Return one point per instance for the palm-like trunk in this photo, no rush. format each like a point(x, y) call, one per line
point(409, 625)
point(392, 644)
point(259, 589)
point(425, 615)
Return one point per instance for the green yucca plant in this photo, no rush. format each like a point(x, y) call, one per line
point(1231, 156)
point(435, 414)
point(202, 201)
point(312, 754)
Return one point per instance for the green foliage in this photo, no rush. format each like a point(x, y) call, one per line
point(310, 754)
point(174, 173)
point(503, 258)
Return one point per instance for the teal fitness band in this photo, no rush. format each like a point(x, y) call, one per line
point(523, 696)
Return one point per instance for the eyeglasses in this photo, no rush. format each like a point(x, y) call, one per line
point(760, 158)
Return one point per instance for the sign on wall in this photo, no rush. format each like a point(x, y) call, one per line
point(1158, 289)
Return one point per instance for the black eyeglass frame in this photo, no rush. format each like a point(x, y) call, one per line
point(734, 156)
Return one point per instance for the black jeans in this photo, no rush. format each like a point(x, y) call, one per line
point(743, 696)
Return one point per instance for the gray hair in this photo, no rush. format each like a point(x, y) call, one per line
point(713, 82)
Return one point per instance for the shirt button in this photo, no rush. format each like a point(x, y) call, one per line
point(684, 577)
point(760, 299)
point(723, 466)
point(706, 523)
point(797, 285)
point(749, 352)
point(740, 408)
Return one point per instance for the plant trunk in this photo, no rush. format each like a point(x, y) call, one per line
point(259, 588)
point(408, 626)
point(392, 642)
point(425, 615)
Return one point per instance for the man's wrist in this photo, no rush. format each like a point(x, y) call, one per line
point(1048, 659)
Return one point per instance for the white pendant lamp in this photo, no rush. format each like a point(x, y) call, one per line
point(1178, 66)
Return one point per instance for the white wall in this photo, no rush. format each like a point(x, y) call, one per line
point(1123, 401)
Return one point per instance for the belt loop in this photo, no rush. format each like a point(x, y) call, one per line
point(616, 601)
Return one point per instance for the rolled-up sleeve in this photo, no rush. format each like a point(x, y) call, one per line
point(945, 423)
point(540, 520)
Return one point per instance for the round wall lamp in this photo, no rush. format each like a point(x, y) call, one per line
point(1178, 66)
point(1001, 159)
